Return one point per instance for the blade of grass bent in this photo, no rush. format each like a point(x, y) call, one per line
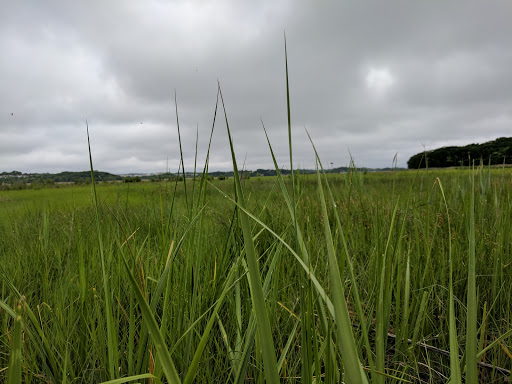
point(290, 204)
point(353, 369)
point(355, 289)
point(267, 344)
point(309, 272)
point(130, 378)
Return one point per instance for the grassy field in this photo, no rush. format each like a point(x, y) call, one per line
point(69, 197)
point(353, 280)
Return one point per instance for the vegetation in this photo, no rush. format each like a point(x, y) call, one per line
point(134, 179)
point(494, 152)
point(16, 180)
point(357, 277)
point(50, 178)
point(396, 227)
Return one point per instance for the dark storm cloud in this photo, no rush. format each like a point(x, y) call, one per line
point(119, 63)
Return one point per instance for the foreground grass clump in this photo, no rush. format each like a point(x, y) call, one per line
point(391, 233)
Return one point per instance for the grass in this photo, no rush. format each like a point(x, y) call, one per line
point(358, 277)
point(69, 197)
point(51, 258)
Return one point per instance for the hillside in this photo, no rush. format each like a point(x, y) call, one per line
point(50, 178)
point(498, 151)
point(20, 178)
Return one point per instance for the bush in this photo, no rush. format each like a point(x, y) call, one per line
point(135, 179)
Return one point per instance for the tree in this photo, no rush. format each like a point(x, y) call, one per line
point(498, 151)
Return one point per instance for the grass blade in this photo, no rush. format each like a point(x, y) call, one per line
point(265, 335)
point(163, 354)
point(353, 371)
point(471, 336)
point(292, 175)
point(130, 378)
point(310, 274)
point(348, 260)
point(15, 358)
point(192, 370)
point(181, 150)
point(456, 377)
point(113, 367)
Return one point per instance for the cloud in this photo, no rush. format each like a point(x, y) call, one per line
point(445, 67)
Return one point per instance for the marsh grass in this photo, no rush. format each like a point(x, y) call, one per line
point(64, 320)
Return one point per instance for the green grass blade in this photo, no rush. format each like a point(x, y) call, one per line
point(292, 175)
point(149, 319)
point(404, 326)
point(287, 346)
point(290, 204)
point(348, 260)
point(385, 285)
point(265, 335)
point(40, 341)
point(249, 339)
point(113, 367)
point(310, 274)
point(231, 356)
point(471, 336)
point(456, 377)
point(181, 149)
point(243, 353)
point(496, 342)
point(15, 356)
point(130, 378)
point(353, 371)
point(192, 370)
point(419, 319)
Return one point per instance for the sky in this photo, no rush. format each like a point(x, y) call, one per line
point(367, 79)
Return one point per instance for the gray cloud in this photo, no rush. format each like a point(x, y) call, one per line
point(118, 64)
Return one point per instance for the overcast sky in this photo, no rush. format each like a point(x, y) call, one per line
point(370, 78)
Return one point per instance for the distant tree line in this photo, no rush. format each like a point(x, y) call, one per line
point(62, 177)
point(20, 180)
point(498, 151)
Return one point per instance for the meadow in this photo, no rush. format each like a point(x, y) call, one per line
point(170, 273)
point(358, 277)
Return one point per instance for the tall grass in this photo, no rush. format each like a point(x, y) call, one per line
point(389, 277)
point(63, 321)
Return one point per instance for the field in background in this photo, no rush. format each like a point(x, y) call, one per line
point(171, 272)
